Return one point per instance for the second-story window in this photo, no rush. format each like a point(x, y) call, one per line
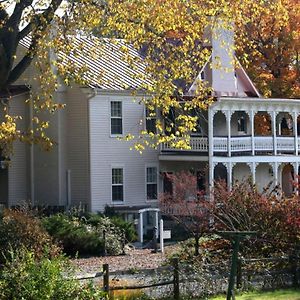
point(242, 125)
point(150, 121)
point(116, 124)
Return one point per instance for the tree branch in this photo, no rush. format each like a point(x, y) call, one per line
point(16, 16)
point(19, 69)
point(38, 20)
point(41, 22)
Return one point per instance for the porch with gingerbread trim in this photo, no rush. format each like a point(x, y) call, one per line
point(236, 140)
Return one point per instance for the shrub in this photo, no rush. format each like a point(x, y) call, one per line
point(74, 236)
point(117, 221)
point(114, 236)
point(275, 219)
point(25, 278)
point(21, 228)
point(126, 227)
point(85, 235)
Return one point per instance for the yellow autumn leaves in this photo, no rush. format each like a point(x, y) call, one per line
point(170, 36)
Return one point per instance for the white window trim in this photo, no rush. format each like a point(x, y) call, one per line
point(157, 181)
point(122, 118)
point(118, 166)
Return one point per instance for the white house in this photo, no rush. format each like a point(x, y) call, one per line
point(92, 167)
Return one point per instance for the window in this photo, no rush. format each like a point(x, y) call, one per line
point(150, 121)
point(151, 183)
point(116, 126)
point(117, 185)
point(242, 126)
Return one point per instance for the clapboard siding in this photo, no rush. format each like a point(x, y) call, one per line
point(18, 172)
point(107, 151)
point(46, 165)
point(78, 145)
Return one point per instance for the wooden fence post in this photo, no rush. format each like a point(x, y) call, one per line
point(176, 278)
point(239, 274)
point(106, 278)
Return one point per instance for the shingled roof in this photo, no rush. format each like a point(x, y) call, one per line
point(106, 63)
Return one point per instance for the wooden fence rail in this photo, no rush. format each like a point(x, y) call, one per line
point(107, 288)
point(106, 278)
point(292, 261)
point(291, 268)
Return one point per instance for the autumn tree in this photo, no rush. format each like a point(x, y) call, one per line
point(270, 37)
point(46, 25)
point(169, 36)
point(187, 206)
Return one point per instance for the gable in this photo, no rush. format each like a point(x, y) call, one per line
point(244, 87)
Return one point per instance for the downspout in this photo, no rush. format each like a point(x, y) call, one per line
point(93, 93)
point(32, 194)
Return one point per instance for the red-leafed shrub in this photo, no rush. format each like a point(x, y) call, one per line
point(275, 219)
point(20, 228)
point(187, 205)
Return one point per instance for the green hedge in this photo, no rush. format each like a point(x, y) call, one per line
point(85, 235)
point(74, 236)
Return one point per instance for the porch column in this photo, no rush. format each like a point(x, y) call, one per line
point(141, 233)
point(252, 131)
point(210, 147)
point(228, 123)
point(295, 117)
point(253, 170)
point(296, 167)
point(229, 175)
point(275, 171)
point(211, 175)
point(273, 116)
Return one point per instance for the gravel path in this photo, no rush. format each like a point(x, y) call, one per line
point(134, 259)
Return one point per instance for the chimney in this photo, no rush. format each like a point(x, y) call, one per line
point(220, 36)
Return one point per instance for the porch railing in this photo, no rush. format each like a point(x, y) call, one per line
point(220, 144)
point(238, 144)
point(285, 143)
point(263, 143)
point(197, 144)
point(241, 144)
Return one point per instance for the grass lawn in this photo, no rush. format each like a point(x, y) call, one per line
point(288, 294)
